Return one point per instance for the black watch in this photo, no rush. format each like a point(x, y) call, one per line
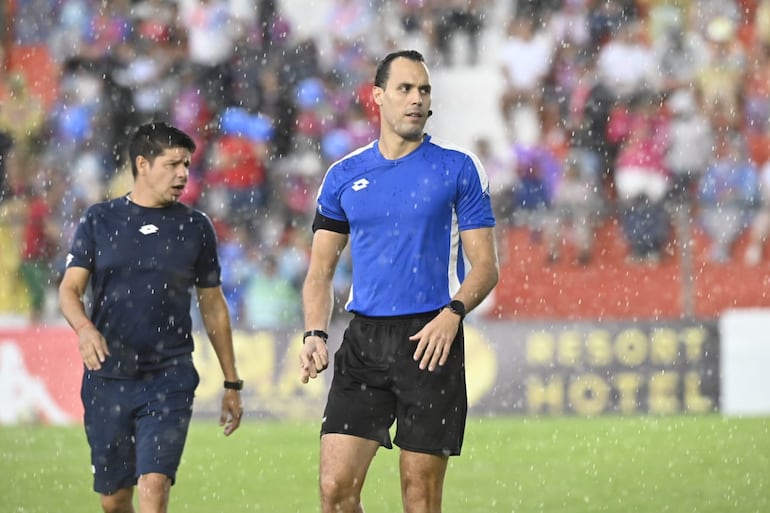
point(234, 385)
point(457, 307)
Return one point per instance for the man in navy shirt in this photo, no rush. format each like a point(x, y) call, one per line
point(142, 254)
point(413, 208)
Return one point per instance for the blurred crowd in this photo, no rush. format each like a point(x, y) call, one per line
point(647, 111)
point(651, 112)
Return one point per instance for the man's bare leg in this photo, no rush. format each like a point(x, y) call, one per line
point(422, 481)
point(118, 502)
point(344, 463)
point(154, 490)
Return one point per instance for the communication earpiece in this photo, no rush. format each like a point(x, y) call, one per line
point(430, 113)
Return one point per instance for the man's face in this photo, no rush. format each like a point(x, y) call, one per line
point(405, 100)
point(165, 178)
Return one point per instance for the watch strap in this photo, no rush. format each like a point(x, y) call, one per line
point(315, 333)
point(234, 385)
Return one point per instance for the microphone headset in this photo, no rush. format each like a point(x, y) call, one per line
point(430, 113)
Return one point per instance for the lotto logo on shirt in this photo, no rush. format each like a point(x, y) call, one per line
point(360, 184)
point(148, 229)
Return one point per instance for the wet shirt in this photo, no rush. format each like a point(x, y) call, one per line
point(405, 216)
point(144, 263)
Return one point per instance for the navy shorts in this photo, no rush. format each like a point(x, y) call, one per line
point(377, 382)
point(137, 426)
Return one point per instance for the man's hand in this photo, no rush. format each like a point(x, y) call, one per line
point(435, 340)
point(93, 347)
point(313, 359)
point(232, 411)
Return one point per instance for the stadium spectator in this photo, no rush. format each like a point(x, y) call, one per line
point(69, 37)
point(8, 166)
point(40, 242)
point(453, 16)
point(292, 253)
point(147, 72)
point(626, 63)
point(569, 25)
point(500, 168)
point(605, 18)
point(756, 90)
point(294, 179)
point(720, 80)
point(236, 172)
point(271, 300)
point(589, 106)
point(212, 29)
point(407, 23)
point(22, 117)
point(22, 123)
point(234, 248)
point(524, 59)
point(106, 29)
point(679, 51)
point(564, 76)
point(575, 210)
point(728, 195)
point(537, 171)
point(502, 179)
point(760, 224)
point(553, 130)
point(641, 178)
point(538, 10)
point(348, 21)
point(159, 21)
point(690, 146)
point(191, 113)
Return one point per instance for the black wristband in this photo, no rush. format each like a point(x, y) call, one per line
point(234, 385)
point(315, 333)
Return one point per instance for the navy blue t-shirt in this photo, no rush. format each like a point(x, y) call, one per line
point(405, 219)
point(144, 263)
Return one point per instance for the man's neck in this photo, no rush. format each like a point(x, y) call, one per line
point(138, 198)
point(394, 147)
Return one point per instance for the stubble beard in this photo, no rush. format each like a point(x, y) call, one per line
point(411, 133)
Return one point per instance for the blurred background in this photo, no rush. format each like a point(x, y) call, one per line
point(626, 142)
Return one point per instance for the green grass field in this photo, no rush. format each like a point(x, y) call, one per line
point(703, 464)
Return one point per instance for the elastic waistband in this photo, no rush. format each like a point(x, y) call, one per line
point(422, 315)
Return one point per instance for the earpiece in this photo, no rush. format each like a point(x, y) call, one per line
point(430, 113)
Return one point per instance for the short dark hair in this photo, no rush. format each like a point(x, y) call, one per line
point(383, 68)
point(152, 139)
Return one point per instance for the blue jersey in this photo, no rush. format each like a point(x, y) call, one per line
point(405, 216)
point(144, 263)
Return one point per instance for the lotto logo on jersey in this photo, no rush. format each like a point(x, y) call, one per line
point(360, 184)
point(148, 229)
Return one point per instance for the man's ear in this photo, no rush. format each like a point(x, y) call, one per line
point(377, 95)
point(142, 165)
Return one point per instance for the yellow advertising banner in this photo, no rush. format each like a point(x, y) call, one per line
point(529, 367)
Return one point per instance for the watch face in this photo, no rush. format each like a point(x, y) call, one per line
point(457, 307)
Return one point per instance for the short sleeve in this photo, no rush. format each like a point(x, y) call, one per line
point(207, 268)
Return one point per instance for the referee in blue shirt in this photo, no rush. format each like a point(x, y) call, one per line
point(142, 254)
point(417, 214)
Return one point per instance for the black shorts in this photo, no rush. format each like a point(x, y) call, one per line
point(137, 426)
point(377, 381)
